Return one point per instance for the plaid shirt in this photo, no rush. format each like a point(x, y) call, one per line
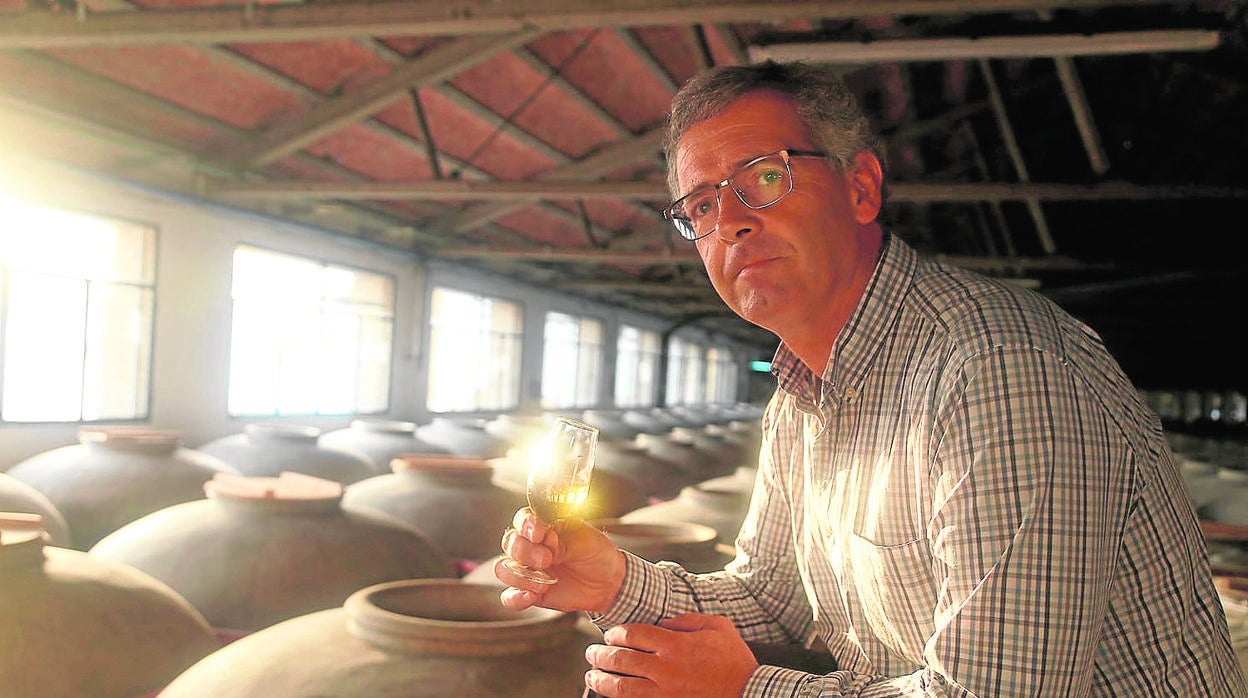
point(972, 500)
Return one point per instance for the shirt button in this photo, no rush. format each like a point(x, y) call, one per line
point(850, 394)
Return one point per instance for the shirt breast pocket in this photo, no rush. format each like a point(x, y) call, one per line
point(896, 589)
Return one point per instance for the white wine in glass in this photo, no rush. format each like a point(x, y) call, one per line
point(558, 481)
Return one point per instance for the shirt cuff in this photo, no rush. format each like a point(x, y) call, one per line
point(642, 598)
point(770, 681)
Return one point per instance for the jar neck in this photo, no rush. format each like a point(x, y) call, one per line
point(450, 618)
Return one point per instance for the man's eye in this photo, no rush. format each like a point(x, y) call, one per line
point(769, 177)
point(700, 206)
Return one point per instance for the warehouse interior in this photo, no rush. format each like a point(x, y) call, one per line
point(1091, 150)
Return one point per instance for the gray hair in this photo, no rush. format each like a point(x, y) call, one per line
point(836, 123)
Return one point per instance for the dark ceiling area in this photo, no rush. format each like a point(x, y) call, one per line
point(1095, 151)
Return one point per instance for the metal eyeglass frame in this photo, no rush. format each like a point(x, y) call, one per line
point(684, 225)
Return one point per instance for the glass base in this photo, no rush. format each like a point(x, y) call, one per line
point(530, 573)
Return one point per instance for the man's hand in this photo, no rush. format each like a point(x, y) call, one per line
point(589, 567)
point(689, 656)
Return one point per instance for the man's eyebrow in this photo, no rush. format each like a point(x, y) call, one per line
point(736, 166)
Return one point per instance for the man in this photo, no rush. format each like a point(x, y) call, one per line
point(959, 493)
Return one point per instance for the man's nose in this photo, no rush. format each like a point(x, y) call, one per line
point(736, 220)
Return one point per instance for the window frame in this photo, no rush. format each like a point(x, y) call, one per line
point(324, 306)
point(586, 390)
point(515, 339)
point(143, 394)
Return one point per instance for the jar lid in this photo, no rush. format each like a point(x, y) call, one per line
point(385, 426)
point(131, 438)
point(287, 487)
point(282, 432)
point(19, 527)
point(434, 463)
point(21, 540)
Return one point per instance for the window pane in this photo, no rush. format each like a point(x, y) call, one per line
point(589, 364)
point(308, 337)
point(77, 314)
point(43, 360)
point(119, 350)
point(636, 368)
point(685, 370)
point(474, 352)
point(559, 361)
point(63, 243)
point(721, 377)
point(571, 361)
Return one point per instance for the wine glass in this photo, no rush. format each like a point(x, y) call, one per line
point(559, 472)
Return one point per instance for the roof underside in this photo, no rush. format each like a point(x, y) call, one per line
point(1093, 150)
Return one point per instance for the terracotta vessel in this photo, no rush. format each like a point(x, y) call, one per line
point(75, 626)
point(694, 546)
point(409, 639)
point(267, 450)
point(18, 496)
point(611, 493)
point(722, 507)
point(467, 438)
point(378, 440)
point(610, 423)
point(719, 455)
point(262, 550)
point(115, 475)
point(454, 501)
point(681, 455)
point(655, 477)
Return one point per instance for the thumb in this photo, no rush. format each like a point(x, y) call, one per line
point(689, 622)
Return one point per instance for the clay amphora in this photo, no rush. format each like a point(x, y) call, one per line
point(262, 550)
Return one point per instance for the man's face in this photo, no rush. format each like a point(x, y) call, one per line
point(777, 266)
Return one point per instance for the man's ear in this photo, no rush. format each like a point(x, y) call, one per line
point(866, 181)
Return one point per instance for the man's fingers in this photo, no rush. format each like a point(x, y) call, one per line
point(621, 660)
point(517, 599)
point(688, 622)
point(638, 636)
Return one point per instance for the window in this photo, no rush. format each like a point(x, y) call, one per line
point(308, 337)
point(571, 361)
point(474, 352)
point(76, 315)
point(637, 356)
point(685, 373)
point(721, 376)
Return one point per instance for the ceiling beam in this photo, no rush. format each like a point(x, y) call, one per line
point(1054, 45)
point(254, 22)
point(554, 189)
point(592, 256)
point(611, 158)
point(438, 64)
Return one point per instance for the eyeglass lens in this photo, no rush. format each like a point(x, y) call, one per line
point(759, 183)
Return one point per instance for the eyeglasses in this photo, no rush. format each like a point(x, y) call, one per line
point(758, 183)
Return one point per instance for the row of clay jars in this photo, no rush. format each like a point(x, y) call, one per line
point(379, 440)
point(75, 625)
point(720, 503)
point(412, 638)
point(260, 550)
point(115, 475)
point(456, 501)
point(267, 450)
